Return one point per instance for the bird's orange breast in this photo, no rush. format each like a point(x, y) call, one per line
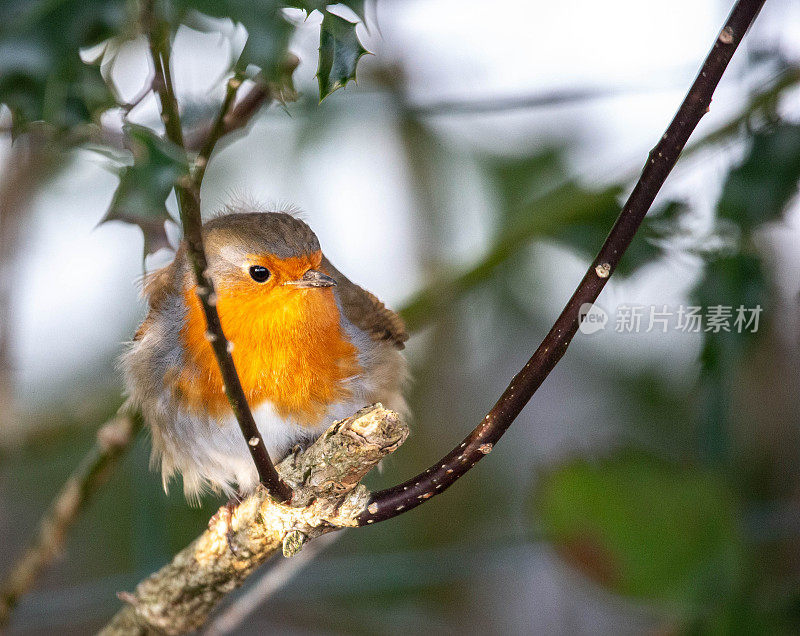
point(289, 349)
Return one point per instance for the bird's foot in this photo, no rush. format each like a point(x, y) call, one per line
point(225, 515)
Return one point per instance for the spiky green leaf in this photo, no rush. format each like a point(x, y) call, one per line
point(339, 53)
point(144, 185)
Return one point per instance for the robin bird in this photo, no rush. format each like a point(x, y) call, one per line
point(310, 347)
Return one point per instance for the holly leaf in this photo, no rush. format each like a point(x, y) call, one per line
point(339, 53)
point(144, 185)
point(42, 76)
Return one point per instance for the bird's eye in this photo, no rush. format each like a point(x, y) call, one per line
point(259, 274)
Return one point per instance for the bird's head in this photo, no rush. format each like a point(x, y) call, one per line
point(266, 270)
point(263, 254)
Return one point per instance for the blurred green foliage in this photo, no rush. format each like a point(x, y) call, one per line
point(758, 189)
point(644, 526)
point(42, 76)
point(673, 526)
point(755, 192)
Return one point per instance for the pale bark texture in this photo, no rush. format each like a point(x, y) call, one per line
point(327, 496)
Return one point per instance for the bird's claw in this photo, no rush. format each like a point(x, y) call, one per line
point(225, 515)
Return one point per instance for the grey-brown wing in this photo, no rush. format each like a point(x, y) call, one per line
point(365, 311)
point(156, 288)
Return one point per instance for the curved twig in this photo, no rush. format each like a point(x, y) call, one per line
point(388, 503)
point(403, 497)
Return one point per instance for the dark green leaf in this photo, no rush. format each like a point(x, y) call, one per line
point(568, 203)
point(642, 526)
point(521, 184)
point(339, 52)
point(41, 74)
point(659, 227)
point(758, 189)
point(145, 185)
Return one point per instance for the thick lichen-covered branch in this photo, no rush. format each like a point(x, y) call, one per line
point(327, 496)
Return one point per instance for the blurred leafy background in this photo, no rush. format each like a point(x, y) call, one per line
point(652, 484)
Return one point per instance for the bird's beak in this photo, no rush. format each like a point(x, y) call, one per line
point(312, 278)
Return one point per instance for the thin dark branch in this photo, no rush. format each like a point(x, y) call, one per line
point(235, 118)
point(216, 131)
point(192, 227)
point(403, 497)
point(158, 37)
point(760, 103)
point(188, 194)
point(241, 114)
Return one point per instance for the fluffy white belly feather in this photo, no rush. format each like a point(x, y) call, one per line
point(213, 455)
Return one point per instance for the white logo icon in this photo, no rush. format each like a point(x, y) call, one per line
point(593, 318)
